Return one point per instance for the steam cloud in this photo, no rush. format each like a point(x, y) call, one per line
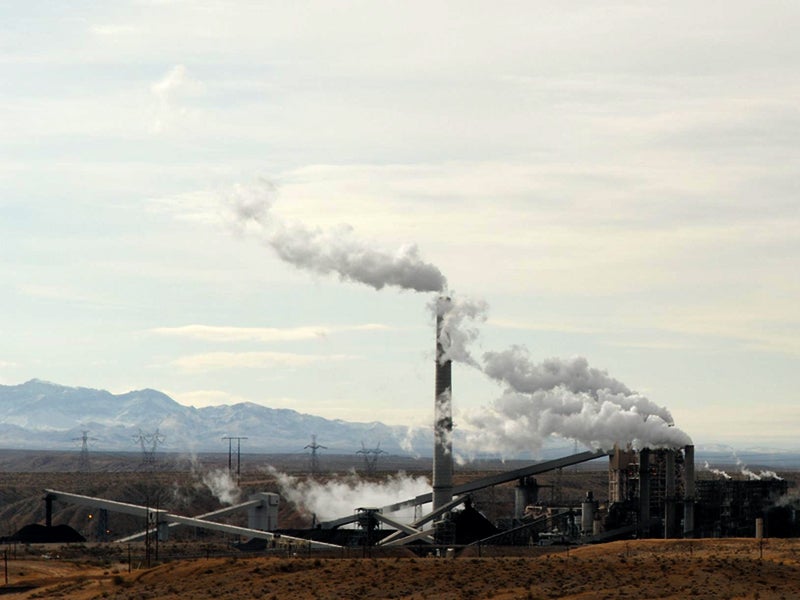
point(457, 333)
point(561, 397)
point(752, 475)
point(332, 251)
point(341, 496)
point(222, 486)
point(718, 472)
point(567, 398)
point(744, 470)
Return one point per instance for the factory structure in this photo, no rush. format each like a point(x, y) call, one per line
point(652, 493)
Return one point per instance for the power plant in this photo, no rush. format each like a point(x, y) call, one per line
point(652, 493)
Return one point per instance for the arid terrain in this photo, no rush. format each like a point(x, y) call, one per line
point(206, 566)
point(675, 569)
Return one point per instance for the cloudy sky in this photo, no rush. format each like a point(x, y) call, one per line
point(617, 180)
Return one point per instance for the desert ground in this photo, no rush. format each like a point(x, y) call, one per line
point(641, 569)
point(208, 567)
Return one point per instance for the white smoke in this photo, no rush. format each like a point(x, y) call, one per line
point(222, 486)
point(559, 397)
point(718, 472)
point(443, 432)
point(514, 367)
point(340, 497)
point(458, 331)
point(566, 398)
point(331, 251)
point(518, 422)
point(752, 475)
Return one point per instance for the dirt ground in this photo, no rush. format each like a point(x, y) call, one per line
point(640, 569)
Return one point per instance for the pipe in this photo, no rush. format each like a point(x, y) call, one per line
point(443, 418)
point(588, 507)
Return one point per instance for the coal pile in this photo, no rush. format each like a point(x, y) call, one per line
point(40, 534)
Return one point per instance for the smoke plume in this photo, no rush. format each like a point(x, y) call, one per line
point(565, 398)
point(222, 486)
point(458, 331)
point(331, 251)
point(752, 475)
point(718, 472)
point(341, 496)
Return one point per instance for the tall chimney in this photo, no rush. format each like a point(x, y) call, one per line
point(689, 492)
point(442, 418)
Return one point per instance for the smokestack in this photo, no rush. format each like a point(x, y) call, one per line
point(689, 491)
point(442, 419)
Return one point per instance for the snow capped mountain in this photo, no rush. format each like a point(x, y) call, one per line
point(42, 415)
point(38, 415)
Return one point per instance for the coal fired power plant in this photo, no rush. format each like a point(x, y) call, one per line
point(651, 488)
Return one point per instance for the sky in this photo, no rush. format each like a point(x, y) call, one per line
point(616, 180)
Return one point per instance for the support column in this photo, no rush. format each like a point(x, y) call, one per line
point(525, 493)
point(48, 510)
point(162, 530)
point(644, 493)
point(669, 496)
point(101, 524)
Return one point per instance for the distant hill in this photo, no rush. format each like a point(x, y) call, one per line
point(43, 415)
point(39, 415)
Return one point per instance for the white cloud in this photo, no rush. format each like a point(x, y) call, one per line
point(115, 30)
point(60, 293)
point(262, 334)
point(253, 360)
point(170, 93)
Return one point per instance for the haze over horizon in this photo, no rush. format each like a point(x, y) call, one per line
point(617, 182)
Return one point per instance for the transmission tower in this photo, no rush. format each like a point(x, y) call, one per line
point(83, 461)
point(149, 442)
point(370, 457)
point(314, 446)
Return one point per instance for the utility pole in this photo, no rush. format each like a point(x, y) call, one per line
point(238, 439)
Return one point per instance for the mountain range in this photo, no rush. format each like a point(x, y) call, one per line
point(43, 415)
point(39, 415)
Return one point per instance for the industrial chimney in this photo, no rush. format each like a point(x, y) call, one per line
point(442, 417)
